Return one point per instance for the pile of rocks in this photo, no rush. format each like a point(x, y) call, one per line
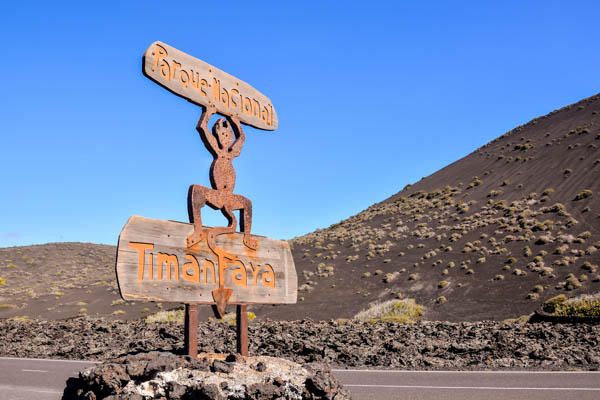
point(162, 375)
point(424, 345)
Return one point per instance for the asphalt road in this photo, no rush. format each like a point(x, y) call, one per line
point(25, 379)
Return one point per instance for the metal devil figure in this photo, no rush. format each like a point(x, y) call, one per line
point(169, 261)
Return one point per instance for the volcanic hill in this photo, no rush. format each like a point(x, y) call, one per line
point(491, 236)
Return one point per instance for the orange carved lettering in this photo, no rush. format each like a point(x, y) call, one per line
point(203, 85)
point(254, 272)
point(268, 277)
point(169, 259)
point(174, 69)
point(184, 82)
point(159, 54)
point(225, 97)
point(141, 248)
point(195, 79)
point(239, 274)
point(265, 115)
point(195, 277)
point(165, 70)
point(247, 106)
point(255, 108)
point(216, 90)
point(233, 99)
point(211, 265)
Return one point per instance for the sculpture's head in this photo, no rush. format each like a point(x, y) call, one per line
point(223, 132)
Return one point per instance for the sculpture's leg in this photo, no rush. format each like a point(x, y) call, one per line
point(245, 206)
point(196, 200)
point(230, 228)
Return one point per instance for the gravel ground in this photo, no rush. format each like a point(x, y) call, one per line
point(481, 345)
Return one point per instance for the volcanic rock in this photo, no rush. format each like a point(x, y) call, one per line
point(170, 376)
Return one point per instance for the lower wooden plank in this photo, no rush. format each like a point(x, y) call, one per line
point(153, 264)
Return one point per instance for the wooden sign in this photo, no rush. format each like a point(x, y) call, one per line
point(153, 264)
point(203, 84)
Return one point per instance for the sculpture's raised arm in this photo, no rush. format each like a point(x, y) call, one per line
point(236, 148)
point(206, 135)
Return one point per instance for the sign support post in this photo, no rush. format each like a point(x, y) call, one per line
point(241, 322)
point(191, 329)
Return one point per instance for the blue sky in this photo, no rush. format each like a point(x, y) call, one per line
point(370, 96)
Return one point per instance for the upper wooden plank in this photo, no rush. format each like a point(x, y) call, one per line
point(205, 85)
point(153, 264)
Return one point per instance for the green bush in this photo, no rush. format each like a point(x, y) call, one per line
point(584, 306)
point(550, 304)
point(583, 194)
point(397, 311)
point(167, 316)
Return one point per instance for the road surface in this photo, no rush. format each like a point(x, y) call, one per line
point(25, 379)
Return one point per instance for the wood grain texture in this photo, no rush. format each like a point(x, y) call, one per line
point(264, 276)
point(205, 85)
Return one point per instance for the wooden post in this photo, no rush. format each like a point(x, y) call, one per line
point(242, 329)
point(191, 330)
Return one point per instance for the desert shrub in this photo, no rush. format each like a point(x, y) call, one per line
point(583, 194)
point(584, 306)
point(550, 304)
point(413, 277)
point(470, 271)
point(519, 272)
point(2, 281)
point(572, 282)
point(378, 272)
point(506, 268)
point(527, 251)
point(389, 277)
point(445, 271)
point(5, 306)
point(366, 274)
point(176, 315)
point(547, 192)
point(230, 318)
point(443, 284)
point(11, 266)
point(499, 277)
point(481, 260)
point(116, 312)
point(567, 171)
point(538, 288)
point(397, 311)
point(510, 260)
point(588, 266)
point(533, 296)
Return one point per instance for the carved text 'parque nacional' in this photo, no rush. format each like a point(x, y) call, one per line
point(203, 84)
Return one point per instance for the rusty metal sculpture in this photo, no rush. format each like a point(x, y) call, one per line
point(224, 143)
